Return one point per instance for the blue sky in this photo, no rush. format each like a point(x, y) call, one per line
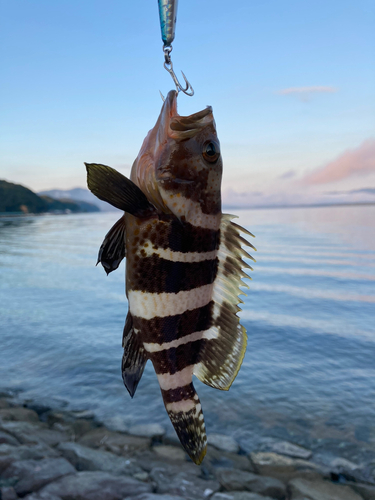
point(292, 85)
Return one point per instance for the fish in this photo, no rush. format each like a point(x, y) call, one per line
point(184, 266)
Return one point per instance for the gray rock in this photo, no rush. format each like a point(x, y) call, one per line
point(286, 468)
point(3, 403)
point(9, 454)
point(232, 480)
point(147, 430)
point(155, 496)
point(85, 458)
point(291, 450)
point(183, 484)
point(239, 495)
point(18, 414)
point(115, 442)
point(302, 489)
point(149, 460)
point(170, 452)
point(215, 458)
point(34, 474)
point(366, 491)
point(6, 438)
point(41, 496)
point(223, 443)
point(116, 424)
point(95, 486)
point(33, 433)
point(8, 493)
point(171, 438)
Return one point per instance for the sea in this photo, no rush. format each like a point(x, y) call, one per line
point(309, 372)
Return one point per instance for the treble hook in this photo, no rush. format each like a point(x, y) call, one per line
point(168, 65)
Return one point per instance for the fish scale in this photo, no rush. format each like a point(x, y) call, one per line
point(184, 264)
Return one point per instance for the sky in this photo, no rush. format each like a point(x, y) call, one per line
point(292, 86)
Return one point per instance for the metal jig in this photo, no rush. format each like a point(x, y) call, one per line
point(168, 17)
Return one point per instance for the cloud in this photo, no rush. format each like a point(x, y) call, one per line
point(288, 175)
point(305, 93)
point(353, 162)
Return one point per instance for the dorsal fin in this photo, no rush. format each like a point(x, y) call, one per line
point(222, 356)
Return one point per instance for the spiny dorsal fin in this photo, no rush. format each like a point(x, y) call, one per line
point(112, 250)
point(109, 185)
point(222, 356)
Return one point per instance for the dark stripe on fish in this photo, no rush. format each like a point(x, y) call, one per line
point(176, 359)
point(178, 394)
point(182, 237)
point(159, 330)
point(156, 275)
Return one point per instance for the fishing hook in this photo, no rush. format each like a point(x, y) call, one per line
point(168, 65)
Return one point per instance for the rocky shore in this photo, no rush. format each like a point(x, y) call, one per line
point(48, 454)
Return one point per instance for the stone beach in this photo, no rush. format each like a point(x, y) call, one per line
point(48, 454)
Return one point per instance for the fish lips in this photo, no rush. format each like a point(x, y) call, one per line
point(179, 127)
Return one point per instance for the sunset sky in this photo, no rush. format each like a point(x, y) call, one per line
point(292, 85)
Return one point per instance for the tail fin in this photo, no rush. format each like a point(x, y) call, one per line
point(185, 411)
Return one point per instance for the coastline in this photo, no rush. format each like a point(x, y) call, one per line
point(53, 454)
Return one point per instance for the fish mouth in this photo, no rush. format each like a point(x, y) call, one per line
point(183, 127)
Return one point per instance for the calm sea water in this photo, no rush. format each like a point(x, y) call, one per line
point(309, 371)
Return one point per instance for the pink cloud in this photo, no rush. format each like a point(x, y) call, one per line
point(353, 162)
point(305, 93)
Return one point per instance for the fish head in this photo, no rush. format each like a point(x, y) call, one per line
point(179, 167)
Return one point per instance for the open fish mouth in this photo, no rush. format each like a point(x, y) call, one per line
point(183, 127)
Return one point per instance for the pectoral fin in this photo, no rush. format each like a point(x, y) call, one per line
point(134, 358)
point(112, 250)
point(109, 185)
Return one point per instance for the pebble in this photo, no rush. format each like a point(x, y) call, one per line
point(223, 443)
point(239, 495)
point(183, 484)
point(170, 452)
point(8, 493)
point(6, 438)
point(96, 486)
point(115, 442)
point(231, 479)
point(147, 430)
point(291, 450)
point(85, 458)
point(320, 490)
point(285, 468)
point(31, 475)
point(18, 414)
point(155, 496)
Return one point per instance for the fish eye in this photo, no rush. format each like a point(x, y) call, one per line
point(211, 151)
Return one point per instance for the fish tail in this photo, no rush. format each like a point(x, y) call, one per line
point(185, 412)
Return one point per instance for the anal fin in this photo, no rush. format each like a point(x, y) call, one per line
point(112, 250)
point(134, 358)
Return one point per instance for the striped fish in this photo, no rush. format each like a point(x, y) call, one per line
point(183, 266)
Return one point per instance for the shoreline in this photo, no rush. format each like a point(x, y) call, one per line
point(55, 454)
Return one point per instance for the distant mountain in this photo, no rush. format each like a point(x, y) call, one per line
point(78, 194)
point(19, 199)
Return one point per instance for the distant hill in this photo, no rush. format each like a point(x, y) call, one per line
point(17, 198)
point(78, 194)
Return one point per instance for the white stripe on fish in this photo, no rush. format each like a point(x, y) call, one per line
point(210, 334)
point(149, 305)
point(188, 257)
